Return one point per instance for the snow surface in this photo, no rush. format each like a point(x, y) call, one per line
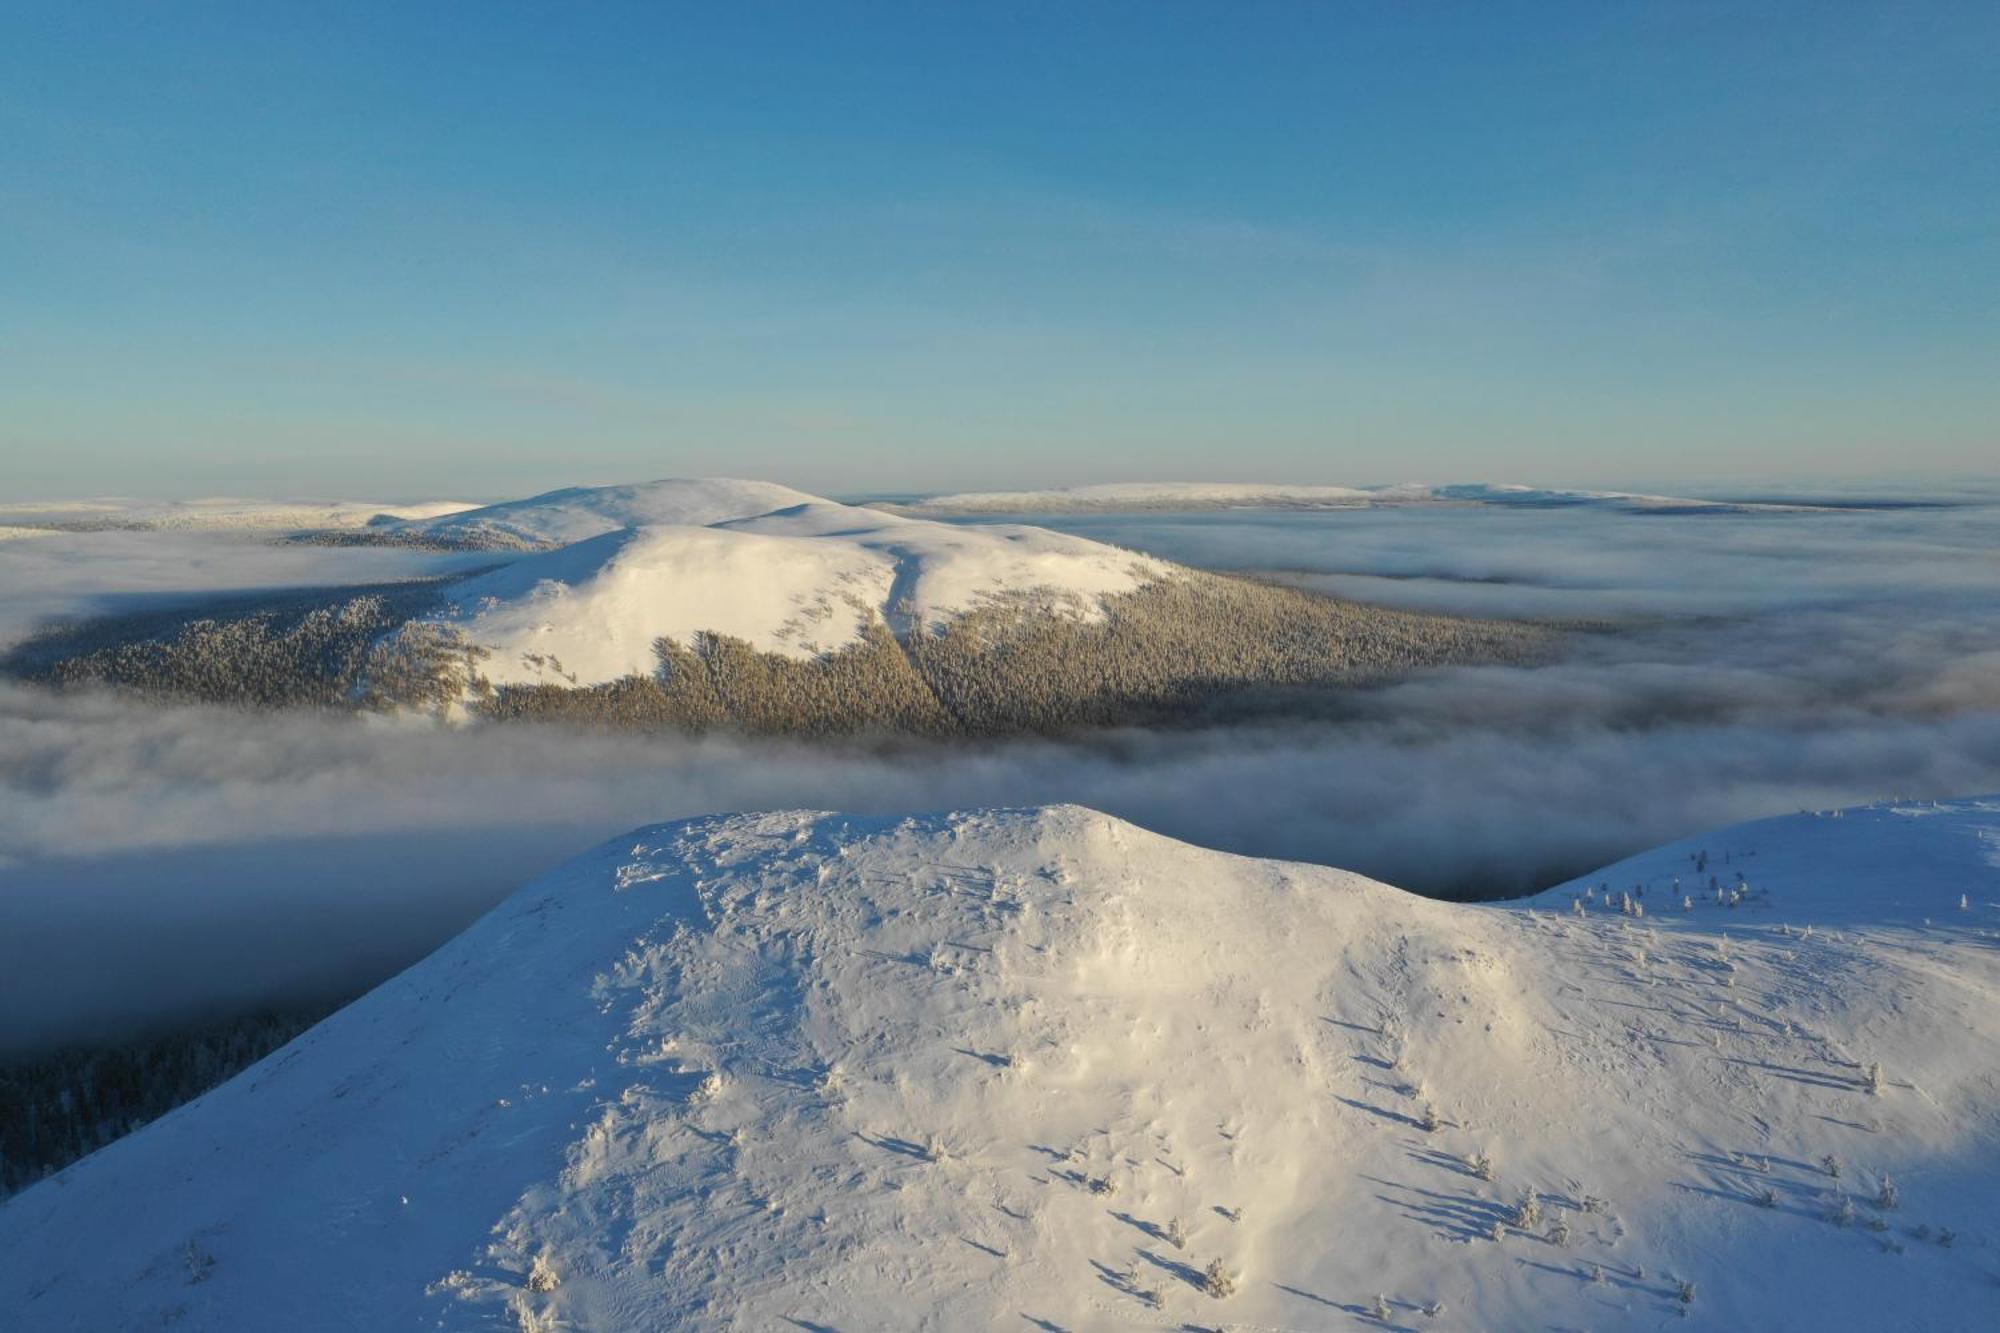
point(806, 1071)
point(785, 571)
point(1193, 495)
point(557, 518)
point(217, 514)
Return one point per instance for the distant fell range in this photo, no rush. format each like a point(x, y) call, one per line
point(1198, 496)
point(740, 606)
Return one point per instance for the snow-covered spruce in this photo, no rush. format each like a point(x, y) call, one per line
point(694, 1080)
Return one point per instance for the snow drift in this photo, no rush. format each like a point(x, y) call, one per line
point(1038, 1068)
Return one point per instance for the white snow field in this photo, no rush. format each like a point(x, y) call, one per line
point(1197, 495)
point(787, 572)
point(1039, 1069)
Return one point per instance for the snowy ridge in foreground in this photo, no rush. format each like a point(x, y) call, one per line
point(1197, 495)
point(1038, 1068)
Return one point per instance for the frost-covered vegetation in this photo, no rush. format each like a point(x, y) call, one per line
point(314, 649)
point(1196, 647)
point(1192, 648)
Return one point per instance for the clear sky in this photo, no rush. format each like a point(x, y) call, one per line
point(393, 249)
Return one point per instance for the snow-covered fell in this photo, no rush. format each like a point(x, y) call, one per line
point(1192, 495)
point(1041, 1069)
point(782, 570)
point(576, 513)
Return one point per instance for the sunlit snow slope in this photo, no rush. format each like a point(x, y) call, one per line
point(615, 568)
point(1039, 1069)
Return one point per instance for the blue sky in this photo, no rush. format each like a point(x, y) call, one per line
point(397, 249)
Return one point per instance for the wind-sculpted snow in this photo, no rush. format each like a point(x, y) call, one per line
point(1038, 1068)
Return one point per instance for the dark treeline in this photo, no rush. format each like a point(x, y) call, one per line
point(63, 1105)
point(1198, 647)
point(1190, 649)
point(312, 649)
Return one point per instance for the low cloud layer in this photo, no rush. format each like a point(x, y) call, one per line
point(157, 861)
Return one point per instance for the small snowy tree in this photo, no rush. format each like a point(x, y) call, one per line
point(1886, 1197)
point(1684, 1290)
point(542, 1276)
point(1217, 1280)
point(1873, 1079)
point(1177, 1234)
point(1559, 1229)
point(1527, 1211)
point(1831, 1165)
point(1480, 1165)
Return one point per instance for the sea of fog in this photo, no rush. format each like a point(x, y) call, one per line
point(158, 861)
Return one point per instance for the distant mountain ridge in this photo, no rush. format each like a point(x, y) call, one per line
point(613, 569)
point(1140, 496)
point(713, 604)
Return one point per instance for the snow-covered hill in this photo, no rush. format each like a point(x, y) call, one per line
point(1194, 495)
point(615, 568)
point(1041, 1069)
point(576, 513)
